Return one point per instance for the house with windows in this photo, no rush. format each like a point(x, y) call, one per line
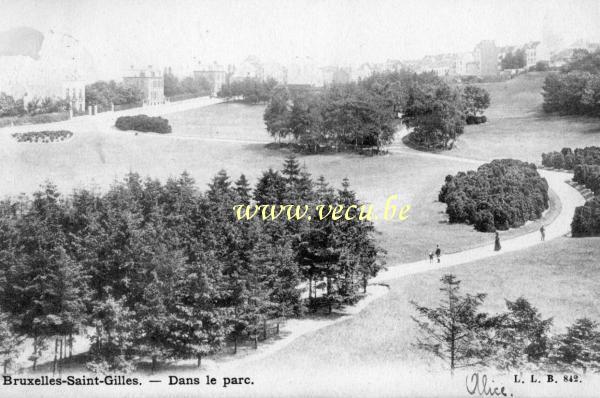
point(215, 74)
point(151, 83)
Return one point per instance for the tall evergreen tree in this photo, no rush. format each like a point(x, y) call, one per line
point(455, 331)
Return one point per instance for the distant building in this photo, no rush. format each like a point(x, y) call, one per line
point(362, 72)
point(486, 56)
point(531, 53)
point(250, 68)
point(335, 75)
point(393, 65)
point(150, 81)
point(465, 65)
point(304, 71)
point(215, 74)
point(275, 71)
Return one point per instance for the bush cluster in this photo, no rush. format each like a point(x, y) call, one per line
point(476, 119)
point(144, 123)
point(586, 221)
point(568, 158)
point(499, 195)
point(586, 166)
point(43, 136)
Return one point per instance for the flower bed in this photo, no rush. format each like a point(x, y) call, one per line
point(43, 136)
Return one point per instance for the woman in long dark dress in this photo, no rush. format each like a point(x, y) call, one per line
point(497, 243)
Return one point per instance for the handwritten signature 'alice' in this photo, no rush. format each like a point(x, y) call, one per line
point(478, 384)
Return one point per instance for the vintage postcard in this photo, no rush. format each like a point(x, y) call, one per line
point(304, 198)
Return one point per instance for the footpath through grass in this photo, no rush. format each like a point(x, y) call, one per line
point(561, 278)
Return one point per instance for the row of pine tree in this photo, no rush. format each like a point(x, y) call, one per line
point(155, 271)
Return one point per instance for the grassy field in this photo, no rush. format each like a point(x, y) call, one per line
point(227, 136)
point(562, 279)
point(518, 128)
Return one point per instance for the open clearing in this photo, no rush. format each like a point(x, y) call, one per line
point(518, 128)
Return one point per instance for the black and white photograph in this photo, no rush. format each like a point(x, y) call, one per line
point(303, 198)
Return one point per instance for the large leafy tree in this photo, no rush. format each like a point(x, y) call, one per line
point(476, 100)
point(434, 111)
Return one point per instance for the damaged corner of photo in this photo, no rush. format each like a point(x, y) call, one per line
point(300, 199)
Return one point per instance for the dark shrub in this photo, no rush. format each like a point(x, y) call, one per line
point(476, 119)
point(586, 221)
point(568, 159)
point(499, 195)
point(144, 123)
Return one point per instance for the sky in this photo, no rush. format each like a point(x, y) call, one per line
point(179, 33)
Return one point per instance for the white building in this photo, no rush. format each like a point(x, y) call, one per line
point(304, 71)
point(250, 68)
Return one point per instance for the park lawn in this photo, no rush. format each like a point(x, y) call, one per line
point(518, 128)
point(227, 120)
point(561, 278)
point(93, 158)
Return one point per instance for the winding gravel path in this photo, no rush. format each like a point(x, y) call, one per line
point(569, 197)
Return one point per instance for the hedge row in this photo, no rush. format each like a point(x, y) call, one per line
point(144, 123)
point(586, 166)
point(42, 136)
point(568, 159)
point(588, 175)
point(499, 195)
point(586, 221)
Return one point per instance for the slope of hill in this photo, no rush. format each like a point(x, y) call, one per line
point(518, 128)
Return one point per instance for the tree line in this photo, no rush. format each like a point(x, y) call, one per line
point(160, 271)
point(104, 93)
point(585, 163)
point(36, 106)
point(575, 90)
point(252, 90)
point(501, 194)
point(188, 85)
point(365, 115)
point(457, 332)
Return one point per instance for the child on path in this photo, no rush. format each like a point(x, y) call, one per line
point(430, 257)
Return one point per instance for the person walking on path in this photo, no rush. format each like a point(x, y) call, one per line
point(430, 257)
point(497, 246)
point(438, 253)
point(543, 233)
